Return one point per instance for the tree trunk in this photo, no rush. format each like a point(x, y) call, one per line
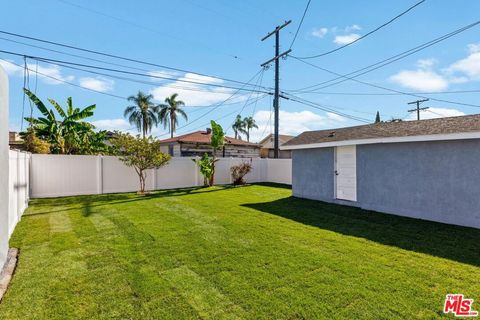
point(141, 176)
point(212, 178)
point(248, 135)
point(172, 128)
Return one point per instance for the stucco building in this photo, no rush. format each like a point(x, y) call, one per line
point(428, 169)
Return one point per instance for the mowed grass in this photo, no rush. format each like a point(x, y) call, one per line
point(251, 252)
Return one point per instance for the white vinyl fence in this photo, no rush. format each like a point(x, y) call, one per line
point(18, 186)
point(68, 175)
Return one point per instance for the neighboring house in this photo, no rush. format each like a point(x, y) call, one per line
point(428, 169)
point(267, 144)
point(14, 141)
point(198, 142)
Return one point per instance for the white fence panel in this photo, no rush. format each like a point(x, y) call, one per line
point(64, 175)
point(222, 171)
point(18, 186)
point(117, 177)
point(178, 173)
point(279, 171)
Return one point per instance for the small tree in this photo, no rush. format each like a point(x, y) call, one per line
point(217, 140)
point(34, 144)
point(141, 154)
point(377, 118)
point(239, 172)
point(205, 164)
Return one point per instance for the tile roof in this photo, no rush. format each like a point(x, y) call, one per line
point(204, 137)
point(461, 124)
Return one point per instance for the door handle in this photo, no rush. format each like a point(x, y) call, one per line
point(336, 172)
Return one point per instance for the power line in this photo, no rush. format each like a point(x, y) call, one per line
point(327, 109)
point(218, 119)
point(66, 82)
point(68, 64)
point(365, 35)
point(388, 89)
point(389, 60)
point(300, 24)
point(73, 55)
point(388, 94)
point(221, 103)
point(93, 90)
point(136, 25)
point(116, 56)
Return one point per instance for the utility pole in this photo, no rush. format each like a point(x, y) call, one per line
point(276, 58)
point(417, 109)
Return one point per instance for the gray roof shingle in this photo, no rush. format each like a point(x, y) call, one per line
point(470, 123)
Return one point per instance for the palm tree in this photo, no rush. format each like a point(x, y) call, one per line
point(169, 111)
point(238, 127)
point(249, 124)
point(143, 113)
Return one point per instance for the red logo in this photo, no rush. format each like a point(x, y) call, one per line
point(459, 306)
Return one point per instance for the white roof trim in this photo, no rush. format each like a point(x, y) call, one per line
point(432, 137)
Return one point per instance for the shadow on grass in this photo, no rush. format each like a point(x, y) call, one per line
point(87, 203)
point(437, 239)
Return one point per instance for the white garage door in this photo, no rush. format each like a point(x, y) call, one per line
point(346, 172)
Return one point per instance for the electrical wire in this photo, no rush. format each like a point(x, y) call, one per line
point(388, 89)
point(389, 60)
point(220, 103)
point(365, 35)
point(117, 56)
point(326, 108)
point(387, 94)
point(300, 24)
point(139, 26)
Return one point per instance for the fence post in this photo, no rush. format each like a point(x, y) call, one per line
point(154, 179)
point(99, 174)
point(195, 171)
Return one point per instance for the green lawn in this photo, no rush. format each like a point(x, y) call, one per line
point(250, 252)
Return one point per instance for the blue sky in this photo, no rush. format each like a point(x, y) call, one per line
point(222, 38)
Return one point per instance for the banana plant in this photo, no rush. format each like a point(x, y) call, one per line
point(67, 133)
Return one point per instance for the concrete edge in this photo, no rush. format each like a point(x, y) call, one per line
point(8, 270)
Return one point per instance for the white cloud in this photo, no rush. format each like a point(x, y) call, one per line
point(319, 32)
point(353, 27)
point(346, 39)
point(433, 113)
point(423, 80)
point(158, 74)
point(193, 94)
point(112, 124)
point(121, 124)
point(46, 74)
point(294, 123)
point(336, 117)
point(470, 66)
point(426, 63)
point(98, 83)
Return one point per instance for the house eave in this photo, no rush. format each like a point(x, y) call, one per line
point(420, 138)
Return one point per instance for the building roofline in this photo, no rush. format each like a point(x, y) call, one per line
point(418, 138)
